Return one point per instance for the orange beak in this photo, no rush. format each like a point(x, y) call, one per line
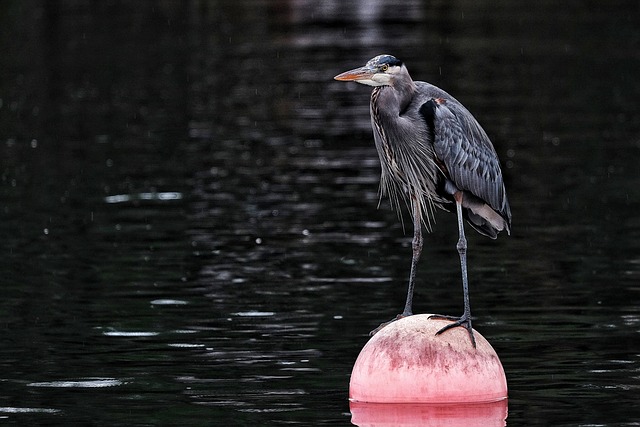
point(362, 73)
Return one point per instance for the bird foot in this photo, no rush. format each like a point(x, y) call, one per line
point(464, 321)
point(382, 325)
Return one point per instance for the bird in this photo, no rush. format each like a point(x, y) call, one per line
point(433, 154)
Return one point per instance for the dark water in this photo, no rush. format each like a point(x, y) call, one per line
point(188, 206)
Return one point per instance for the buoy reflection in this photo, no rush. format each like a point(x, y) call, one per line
point(421, 414)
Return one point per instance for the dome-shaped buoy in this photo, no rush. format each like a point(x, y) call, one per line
point(406, 362)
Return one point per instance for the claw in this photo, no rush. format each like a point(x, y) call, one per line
point(463, 321)
point(382, 325)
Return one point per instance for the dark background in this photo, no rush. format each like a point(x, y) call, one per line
point(188, 206)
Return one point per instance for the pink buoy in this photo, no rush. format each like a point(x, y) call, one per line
point(406, 362)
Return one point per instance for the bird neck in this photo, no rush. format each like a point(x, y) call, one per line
point(396, 97)
point(405, 89)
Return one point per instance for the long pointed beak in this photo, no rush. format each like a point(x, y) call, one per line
point(362, 73)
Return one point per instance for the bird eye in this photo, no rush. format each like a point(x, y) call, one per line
point(384, 67)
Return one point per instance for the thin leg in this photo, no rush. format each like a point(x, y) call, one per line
point(465, 320)
point(416, 246)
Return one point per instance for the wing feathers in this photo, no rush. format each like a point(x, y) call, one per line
point(470, 159)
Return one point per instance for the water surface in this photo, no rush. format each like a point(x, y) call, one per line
point(188, 207)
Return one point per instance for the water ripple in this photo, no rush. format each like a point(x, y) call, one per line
point(83, 383)
point(130, 334)
point(15, 410)
point(124, 198)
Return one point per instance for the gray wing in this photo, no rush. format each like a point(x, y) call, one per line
point(465, 150)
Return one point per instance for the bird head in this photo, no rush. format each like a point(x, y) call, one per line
point(378, 71)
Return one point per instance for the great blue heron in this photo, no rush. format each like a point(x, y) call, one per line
point(433, 152)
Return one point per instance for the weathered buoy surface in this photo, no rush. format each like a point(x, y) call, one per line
point(406, 362)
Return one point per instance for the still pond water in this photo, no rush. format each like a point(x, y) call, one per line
point(188, 206)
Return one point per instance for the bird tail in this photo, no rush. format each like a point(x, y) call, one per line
point(482, 217)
